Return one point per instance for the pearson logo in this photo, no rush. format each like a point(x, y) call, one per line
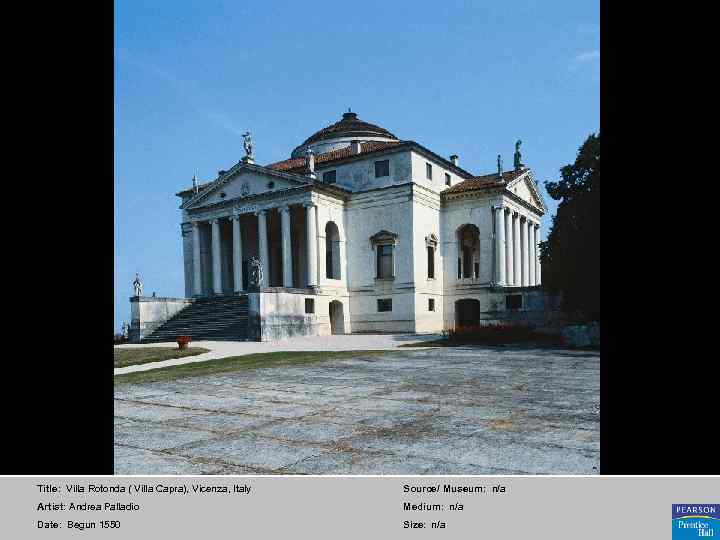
point(695, 521)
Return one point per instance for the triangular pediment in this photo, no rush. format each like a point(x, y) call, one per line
point(526, 189)
point(243, 181)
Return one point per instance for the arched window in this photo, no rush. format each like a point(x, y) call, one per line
point(332, 251)
point(469, 251)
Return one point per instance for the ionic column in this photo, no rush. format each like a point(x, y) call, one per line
point(500, 245)
point(538, 281)
point(237, 255)
point(311, 229)
point(263, 246)
point(197, 275)
point(217, 267)
point(517, 257)
point(509, 248)
point(532, 255)
point(286, 246)
point(525, 277)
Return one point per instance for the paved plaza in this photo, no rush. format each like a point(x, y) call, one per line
point(461, 410)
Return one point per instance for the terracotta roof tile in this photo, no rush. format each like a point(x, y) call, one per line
point(298, 164)
point(487, 181)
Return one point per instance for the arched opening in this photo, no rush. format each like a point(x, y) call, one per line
point(467, 312)
point(332, 251)
point(468, 237)
point(337, 318)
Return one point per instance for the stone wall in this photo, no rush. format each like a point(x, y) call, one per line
point(278, 313)
point(148, 313)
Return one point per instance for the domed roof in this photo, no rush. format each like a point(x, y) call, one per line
point(349, 126)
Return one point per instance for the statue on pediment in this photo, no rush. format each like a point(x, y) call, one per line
point(247, 143)
point(137, 285)
point(516, 160)
point(256, 272)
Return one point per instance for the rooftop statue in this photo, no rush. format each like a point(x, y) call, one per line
point(500, 165)
point(247, 143)
point(517, 163)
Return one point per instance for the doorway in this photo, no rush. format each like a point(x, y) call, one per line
point(337, 318)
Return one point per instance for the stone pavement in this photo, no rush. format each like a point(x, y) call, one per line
point(463, 410)
point(223, 349)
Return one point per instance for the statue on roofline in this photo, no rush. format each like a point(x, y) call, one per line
point(517, 163)
point(247, 143)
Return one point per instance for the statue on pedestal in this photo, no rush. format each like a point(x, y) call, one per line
point(125, 329)
point(137, 285)
point(256, 272)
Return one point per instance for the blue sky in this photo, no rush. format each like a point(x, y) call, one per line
point(458, 77)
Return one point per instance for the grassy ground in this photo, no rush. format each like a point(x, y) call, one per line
point(143, 355)
point(238, 363)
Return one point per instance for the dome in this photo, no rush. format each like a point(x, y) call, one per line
point(340, 134)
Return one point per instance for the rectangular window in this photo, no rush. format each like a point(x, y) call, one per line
point(513, 301)
point(431, 304)
point(477, 270)
point(384, 304)
point(309, 305)
point(431, 262)
point(447, 179)
point(384, 261)
point(382, 168)
point(428, 171)
point(329, 177)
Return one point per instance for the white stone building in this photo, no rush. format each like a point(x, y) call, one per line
point(360, 231)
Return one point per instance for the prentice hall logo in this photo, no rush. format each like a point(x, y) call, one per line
point(695, 521)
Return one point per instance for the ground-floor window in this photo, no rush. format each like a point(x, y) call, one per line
point(309, 305)
point(513, 301)
point(431, 304)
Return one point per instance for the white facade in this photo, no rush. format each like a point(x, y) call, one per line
point(331, 239)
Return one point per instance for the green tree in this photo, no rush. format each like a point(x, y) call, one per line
point(571, 254)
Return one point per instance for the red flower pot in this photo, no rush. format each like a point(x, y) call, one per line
point(183, 341)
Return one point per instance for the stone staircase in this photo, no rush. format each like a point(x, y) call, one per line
point(220, 318)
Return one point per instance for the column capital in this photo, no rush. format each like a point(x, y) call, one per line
point(284, 208)
point(261, 212)
point(214, 221)
point(195, 223)
point(234, 217)
point(309, 204)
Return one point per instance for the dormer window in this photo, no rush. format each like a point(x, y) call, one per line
point(329, 177)
point(447, 179)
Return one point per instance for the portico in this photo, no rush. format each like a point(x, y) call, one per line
point(283, 237)
point(517, 256)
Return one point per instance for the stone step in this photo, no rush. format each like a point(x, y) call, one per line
point(217, 318)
